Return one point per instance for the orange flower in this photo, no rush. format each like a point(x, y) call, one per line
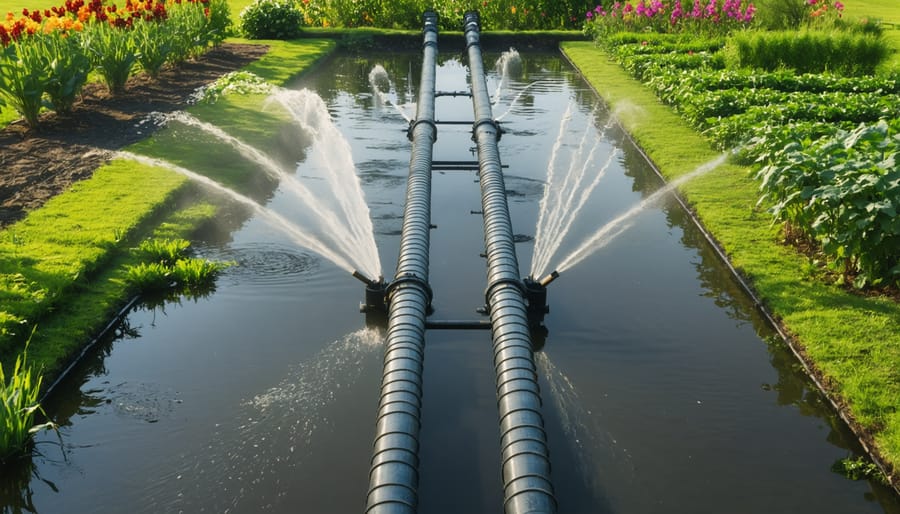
point(51, 24)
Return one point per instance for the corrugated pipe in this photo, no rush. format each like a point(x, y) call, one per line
point(394, 472)
point(525, 461)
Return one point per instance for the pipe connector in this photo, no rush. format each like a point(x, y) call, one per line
point(536, 299)
point(415, 123)
point(376, 305)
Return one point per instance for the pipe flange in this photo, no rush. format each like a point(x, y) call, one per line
point(493, 123)
point(503, 281)
point(415, 123)
point(407, 280)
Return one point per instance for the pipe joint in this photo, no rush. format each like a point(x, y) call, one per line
point(416, 123)
point(493, 123)
point(536, 300)
point(504, 281)
point(409, 280)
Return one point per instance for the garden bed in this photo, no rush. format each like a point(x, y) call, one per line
point(41, 164)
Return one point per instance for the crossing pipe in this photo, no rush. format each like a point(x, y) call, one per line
point(394, 471)
point(525, 461)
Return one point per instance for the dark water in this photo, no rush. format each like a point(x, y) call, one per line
point(664, 390)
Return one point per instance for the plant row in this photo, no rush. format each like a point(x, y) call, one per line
point(47, 55)
point(828, 143)
point(283, 18)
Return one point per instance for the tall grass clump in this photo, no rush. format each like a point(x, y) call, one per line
point(808, 51)
point(164, 251)
point(166, 267)
point(18, 405)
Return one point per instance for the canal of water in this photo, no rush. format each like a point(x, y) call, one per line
point(664, 390)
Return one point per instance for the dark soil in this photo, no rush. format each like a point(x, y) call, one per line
point(36, 165)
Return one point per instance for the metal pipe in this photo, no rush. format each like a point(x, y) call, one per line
point(394, 472)
point(523, 443)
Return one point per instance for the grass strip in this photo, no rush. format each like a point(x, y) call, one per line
point(852, 341)
point(62, 266)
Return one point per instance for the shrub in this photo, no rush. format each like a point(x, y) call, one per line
point(271, 19)
point(809, 51)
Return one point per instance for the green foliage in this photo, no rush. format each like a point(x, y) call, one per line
point(194, 274)
point(843, 191)
point(18, 404)
point(407, 14)
point(149, 276)
point(166, 267)
point(218, 23)
point(859, 469)
point(154, 43)
point(24, 77)
point(809, 51)
point(782, 14)
point(164, 251)
point(271, 19)
point(69, 68)
point(113, 52)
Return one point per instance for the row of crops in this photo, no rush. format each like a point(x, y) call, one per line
point(826, 145)
point(47, 55)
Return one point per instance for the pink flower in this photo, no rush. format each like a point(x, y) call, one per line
point(838, 5)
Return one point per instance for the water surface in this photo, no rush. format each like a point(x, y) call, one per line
point(664, 390)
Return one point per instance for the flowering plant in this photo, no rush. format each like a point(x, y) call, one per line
point(711, 17)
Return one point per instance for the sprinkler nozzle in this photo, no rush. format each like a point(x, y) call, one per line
point(549, 278)
point(366, 280)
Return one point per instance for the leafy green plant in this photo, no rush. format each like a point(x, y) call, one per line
point(843, 192)
point(154, 45)
point(164, 251)
point(271, 19)
point(167, 267)
point(859, 469)
point(24, 77)
point(69, 67)
point(196, 273)
point(18, 405)
point(149, 276)
point(114, 53)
